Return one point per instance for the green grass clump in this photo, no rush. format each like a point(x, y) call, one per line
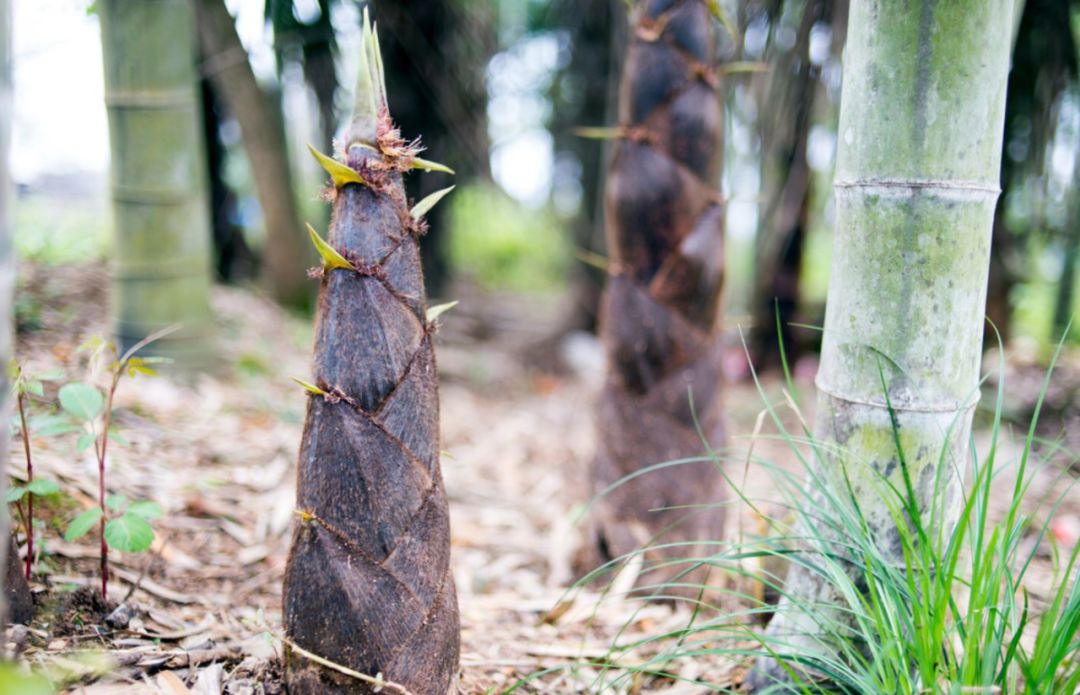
point(957, 616)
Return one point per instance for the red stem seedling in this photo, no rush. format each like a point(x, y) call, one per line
point(101, 444)
point(28, 518)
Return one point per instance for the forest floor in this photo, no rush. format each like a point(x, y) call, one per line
point(218, 453)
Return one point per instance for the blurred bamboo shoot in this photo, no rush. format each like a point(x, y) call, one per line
point(658, 319)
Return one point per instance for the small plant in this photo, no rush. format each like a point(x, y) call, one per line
point(24, 386)
point(123, 525)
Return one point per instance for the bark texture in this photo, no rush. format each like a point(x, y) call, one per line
point(658, 318)
point(368, 582)
point(916, 185)
point(161, 239)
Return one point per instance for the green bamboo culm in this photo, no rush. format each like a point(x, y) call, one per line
point(161, 243)
point(916, 182)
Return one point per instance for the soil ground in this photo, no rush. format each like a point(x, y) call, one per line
point(202, 608)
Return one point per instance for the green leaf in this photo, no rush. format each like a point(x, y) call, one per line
point(422, 208)
point(52, 425)
point(34, 386)
point(438, 310)
point(82, 524)
point(43, 486)
point(14, 494)
point(331, 258)
point(129, 533)
point(310, 388)
point(141, 365)
point(114, 434)
point(116, 502)
point(51, 375)
point(427, 165)
point(86, 440)
point(15, 680)
point(147, 509)
point(340, 174)
point(81, 401)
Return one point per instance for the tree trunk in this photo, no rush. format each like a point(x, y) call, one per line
point(161, 241)
point(233, 259)
point(15, 601)
point(368, 582)
point(1063, 303)
point(659, 312)
point(286, 254)
point(784, 121)
point(435, 55)
point(916, 184)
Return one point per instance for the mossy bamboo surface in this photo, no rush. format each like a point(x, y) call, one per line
point(658, 317)
point(368, 583)
point(161, 242)
point(916, 185)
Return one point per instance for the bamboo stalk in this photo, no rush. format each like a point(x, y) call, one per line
point(915, 187)
point(161, 245)
point(7, 284)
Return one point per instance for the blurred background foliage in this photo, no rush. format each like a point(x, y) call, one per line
point(497, 89)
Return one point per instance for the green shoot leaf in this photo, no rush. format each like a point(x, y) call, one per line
point(146, 509)
point(82, 524)
point(52, 425)
point(427, 165)
point(422, 208)
point(43, 486)
point(14, 494)
point(721, 16)
point(116, 502)
point(82, 401)
point(86, 440)
point(331, 258)
point(141, 365)
point(339, 173)
point(438, 310)
point(129, 533)
point(310, 388)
